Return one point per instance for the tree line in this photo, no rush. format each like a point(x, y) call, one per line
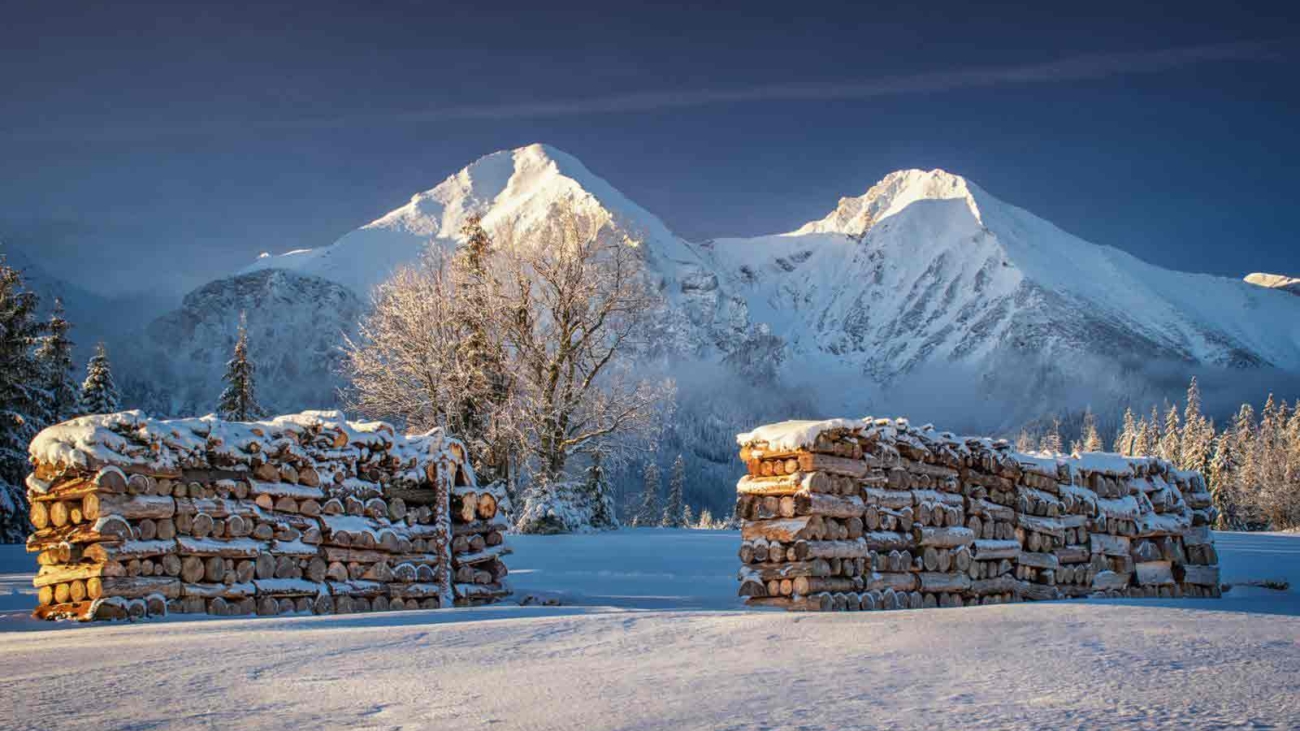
point(39, 388)
point(1251, 463)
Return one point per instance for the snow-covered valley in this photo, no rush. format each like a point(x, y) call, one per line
point(651, 636)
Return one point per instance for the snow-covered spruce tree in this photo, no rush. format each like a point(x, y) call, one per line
point(1091, 437)
point(1128, 434)
point(55, 356)
point(1025, 442)
point(238, 402)
point(482, 354)
point(98, 392)
point(600, 497)
point(647, 514)
point(674, 509)
point(1051, 441)
point(1220, 480)
point(24, 403)
point(688, 517)
point(1171, 436)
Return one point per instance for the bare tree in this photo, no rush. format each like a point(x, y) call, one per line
point(403, 365)
point(523, 346)
point(573, 303)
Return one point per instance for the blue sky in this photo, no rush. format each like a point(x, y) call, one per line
point(154, 145)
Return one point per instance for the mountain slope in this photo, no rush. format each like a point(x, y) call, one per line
point(296, 324)
point(925, 273)
point(928, 268)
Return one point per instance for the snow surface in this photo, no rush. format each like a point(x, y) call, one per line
point(652, 637)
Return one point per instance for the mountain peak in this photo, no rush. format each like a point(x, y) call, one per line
point(1275, 281)
point(894, 192)
point(515, 189)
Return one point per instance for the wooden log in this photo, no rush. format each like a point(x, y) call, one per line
point(39, 515)
point(894, 581)
point(1154, 573)
point(1039, 560)
point(133, 587)
point(943, 582)
point(1110, 581)
point(786, 530)
point(1201, 575)
point(136, 507)
point(943, 537)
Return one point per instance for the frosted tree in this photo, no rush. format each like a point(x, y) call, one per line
point(539, 373)
point(98, 392)
point(688, 517)
point(647, 514)
point(1091, 437)
point(1220, 478)
point(24, 403)
point(481, 353)
point(600, 497)
point(674, 509)
point(1197, 440)
point(573, 302)
point(1025, 442)
point(238, 402)
point(405, 364)
point(1051, 441)
point(1128, 434)
point(1170, 447)
point(1148, 443)
point(59, 374)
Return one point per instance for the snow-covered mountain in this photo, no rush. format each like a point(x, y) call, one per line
point(924, 272)
point(927, 268)
point(295, 322)
point(1275, 281)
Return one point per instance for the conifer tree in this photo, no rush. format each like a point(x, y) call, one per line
point(1051, 441)
point(688, 517)
point(1025, 442)
point(24, 404)
point(674, 515)
point(648, 513)
point(1127, 434)
point(599, 496)
point(1170, 447)
point(98, 392)
point(1197, 442)
point(484, 377)
point(59, 374)
point(1220, 478)
point(1149, 435)
point(1091, 438)
point(238, 402)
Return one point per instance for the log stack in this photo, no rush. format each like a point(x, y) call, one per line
point(478, 527)
point(308, 512)
point(877, 514)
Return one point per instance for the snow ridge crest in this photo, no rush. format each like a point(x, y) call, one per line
point(897, 190)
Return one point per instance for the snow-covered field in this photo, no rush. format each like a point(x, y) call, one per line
point(651, 636)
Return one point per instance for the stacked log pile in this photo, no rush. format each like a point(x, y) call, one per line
point(877, 514)
point(303, 513)
point(478, 544)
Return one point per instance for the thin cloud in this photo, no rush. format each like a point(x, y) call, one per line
point(1074, 68)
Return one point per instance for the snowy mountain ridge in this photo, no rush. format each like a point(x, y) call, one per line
point(925, 270)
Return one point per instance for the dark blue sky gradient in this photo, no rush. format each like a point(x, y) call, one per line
point(150, 142)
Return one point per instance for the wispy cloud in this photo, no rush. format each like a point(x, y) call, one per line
point(1073, 68)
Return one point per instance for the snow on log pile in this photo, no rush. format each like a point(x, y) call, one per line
point(307, 512)
point(877, 514)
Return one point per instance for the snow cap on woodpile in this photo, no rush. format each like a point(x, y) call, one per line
point(131, 439)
